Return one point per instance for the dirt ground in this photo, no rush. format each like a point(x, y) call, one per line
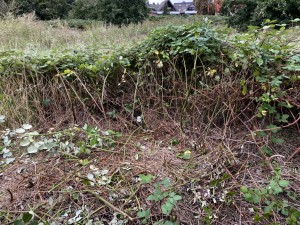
point(55, 186)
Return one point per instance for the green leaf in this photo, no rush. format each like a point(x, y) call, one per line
point(166, 183)
point(19, 222)
point(245, 90)
point(167, 208)
point(144, 214)
point(152, 198)
point(32, 149)
point(248, 197)
point(25, 142)
point(256, 199)
point(244, 189)
point(284, 183)
point(27, 217)
point(177, 197)
point(145, 179)
point(277, 140)
point(274, 129)
point(259, 61)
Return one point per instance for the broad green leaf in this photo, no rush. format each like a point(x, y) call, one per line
point(284, 183)
point(277, 140)
point(145, 179)
point(259, 61)
point(166, 182)
point(244, 189)
point(167, 208)
point(144, 214)
point(32, 149)
point(177, 197)
point(27, 217)
point(248, 197)
point(25, 142)
point(19, 222)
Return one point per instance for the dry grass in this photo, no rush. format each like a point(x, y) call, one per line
point(224, 156)
point(32, 36)
point(51, 185)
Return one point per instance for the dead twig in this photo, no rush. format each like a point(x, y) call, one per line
point(109, 204)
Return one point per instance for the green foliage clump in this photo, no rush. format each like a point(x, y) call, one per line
point(242, 13)
point(117, 12)
point(271, 200)
point(86, 10)
point(45, 9)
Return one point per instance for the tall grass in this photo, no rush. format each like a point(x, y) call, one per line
point(29, 35)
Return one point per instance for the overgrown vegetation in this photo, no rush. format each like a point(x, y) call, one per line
point(120, 12)
point(242, 13)
point(195, 124)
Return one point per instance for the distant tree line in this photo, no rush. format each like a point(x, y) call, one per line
point(110, 11)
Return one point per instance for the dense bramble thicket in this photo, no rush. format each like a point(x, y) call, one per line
point(242, 13)
point(189, 57)
point(209, 83)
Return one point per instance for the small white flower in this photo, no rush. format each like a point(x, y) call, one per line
point(160, 64)
point(139, 119)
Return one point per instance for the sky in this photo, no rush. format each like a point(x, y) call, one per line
point(174, 1)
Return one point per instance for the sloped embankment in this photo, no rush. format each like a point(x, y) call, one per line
point(199, 114)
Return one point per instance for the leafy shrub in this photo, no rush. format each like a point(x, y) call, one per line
point(86, 10)
point(45, 9)
point(174, 61)
point(242, 13)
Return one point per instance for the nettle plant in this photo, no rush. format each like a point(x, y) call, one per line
point(162, 194)
point(269, 199)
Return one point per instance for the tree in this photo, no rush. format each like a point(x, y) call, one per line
point(242, 13)
point(86, 9)
point(239, 12)
point(204, 6)
point(46, 9)
point(119, 12)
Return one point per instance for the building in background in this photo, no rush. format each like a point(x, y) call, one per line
point(167, 7)
point(184, 8)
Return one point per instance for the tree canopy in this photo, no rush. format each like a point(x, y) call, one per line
point(116, 12)
point(242, 13)
point(120, 12)
point(45, 9)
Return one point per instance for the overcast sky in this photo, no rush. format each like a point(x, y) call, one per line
point(159, 1)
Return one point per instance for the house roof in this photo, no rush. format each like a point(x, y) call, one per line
point(152, 6)
point(161, 6)
point(183, 6)
point(180, 7)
